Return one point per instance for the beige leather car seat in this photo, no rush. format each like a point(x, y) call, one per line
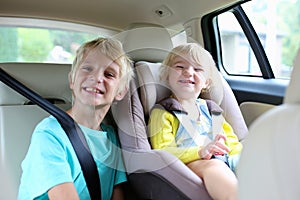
point(269, 165)
point(156, 174)
point(18, 117)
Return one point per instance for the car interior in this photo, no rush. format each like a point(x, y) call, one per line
point(259, 107)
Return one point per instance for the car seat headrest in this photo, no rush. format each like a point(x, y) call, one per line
point(147, 42)
point(292, 95)
point(48, 80)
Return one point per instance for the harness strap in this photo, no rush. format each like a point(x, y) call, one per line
point(201, 140)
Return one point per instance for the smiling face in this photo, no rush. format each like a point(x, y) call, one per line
point(96, 81)
point(186, 78)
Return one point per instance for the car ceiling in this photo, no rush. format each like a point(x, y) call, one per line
point(112, 14)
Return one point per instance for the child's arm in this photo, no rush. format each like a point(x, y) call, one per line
point(232, 140)
point(63, 191)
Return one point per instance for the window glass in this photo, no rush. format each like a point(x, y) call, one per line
point(31, 43)
point(277, 24)
point(237, 55)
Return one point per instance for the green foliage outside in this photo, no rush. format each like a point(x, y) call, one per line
point(287, 24)
point(34, 44)
point(290, 12)
point(69, 40)
point(8, 43)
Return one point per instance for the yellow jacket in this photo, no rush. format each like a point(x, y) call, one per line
point(163, 126)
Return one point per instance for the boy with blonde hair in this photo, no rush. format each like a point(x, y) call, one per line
point(100, 74)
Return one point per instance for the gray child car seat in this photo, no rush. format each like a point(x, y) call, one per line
point(156, 174)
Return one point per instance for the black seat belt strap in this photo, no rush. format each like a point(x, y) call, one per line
point(71, 128)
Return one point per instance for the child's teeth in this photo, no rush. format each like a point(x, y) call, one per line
point(92, 90)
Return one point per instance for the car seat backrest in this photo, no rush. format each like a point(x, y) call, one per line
point(152, 174)
point(18, 116)
point(292, 95)
point(148, 42)
point(148, 45)
point(131, 114)
point(142, 42)
point(269, 164)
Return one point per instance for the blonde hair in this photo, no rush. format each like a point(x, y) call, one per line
point(111, 48)
point(198, 54)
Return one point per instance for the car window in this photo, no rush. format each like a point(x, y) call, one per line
point(43, 40)
point(237, 54)
point(277, 26)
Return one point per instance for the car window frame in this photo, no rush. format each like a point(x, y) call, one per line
point(212, 39)
point(246, 88)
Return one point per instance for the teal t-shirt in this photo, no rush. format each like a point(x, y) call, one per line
point(51, 160)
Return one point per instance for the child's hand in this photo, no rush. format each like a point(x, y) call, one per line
point(216, 147)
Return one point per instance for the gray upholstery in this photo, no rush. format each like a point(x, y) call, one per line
point(232, 112)
point(131, 115)
point(137, 153)
point(18, 119)
point(269, 165)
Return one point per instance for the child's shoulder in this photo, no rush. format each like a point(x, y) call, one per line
point(169, 104)
point(49, 122)
point(212, 106)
